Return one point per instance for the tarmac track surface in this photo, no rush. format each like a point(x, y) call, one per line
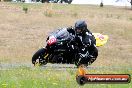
point(6, 66)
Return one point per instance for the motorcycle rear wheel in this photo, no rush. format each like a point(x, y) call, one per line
point(84, 62)
point(79, 63)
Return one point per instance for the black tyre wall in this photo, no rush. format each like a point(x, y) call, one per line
point(36, 55)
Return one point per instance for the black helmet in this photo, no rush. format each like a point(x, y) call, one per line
point(80, 27)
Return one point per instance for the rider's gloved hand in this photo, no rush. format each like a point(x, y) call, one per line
point(71, 30)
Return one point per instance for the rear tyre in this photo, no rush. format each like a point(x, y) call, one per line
point(87, 61)
point(80, 63)
point(39, 57)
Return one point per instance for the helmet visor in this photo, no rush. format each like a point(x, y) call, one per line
point(78, 30)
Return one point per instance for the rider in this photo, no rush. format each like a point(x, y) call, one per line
point(85, 39)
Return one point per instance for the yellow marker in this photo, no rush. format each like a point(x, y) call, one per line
point(100, 39)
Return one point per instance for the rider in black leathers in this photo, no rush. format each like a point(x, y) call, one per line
point(86, 41)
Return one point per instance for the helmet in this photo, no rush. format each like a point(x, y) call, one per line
point(80, 27)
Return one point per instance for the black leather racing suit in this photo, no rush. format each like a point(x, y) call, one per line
point(87, 44)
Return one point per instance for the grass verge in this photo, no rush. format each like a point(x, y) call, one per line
point(25, 77)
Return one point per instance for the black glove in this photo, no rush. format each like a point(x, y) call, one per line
point(78, 41)
point(71, 30)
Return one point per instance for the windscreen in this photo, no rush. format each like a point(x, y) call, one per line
point(61, 34)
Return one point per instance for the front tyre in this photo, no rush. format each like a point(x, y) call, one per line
point(39, 57)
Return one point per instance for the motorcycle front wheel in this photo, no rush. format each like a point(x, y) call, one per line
point(39, 57)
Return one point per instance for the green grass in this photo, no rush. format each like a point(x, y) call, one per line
point(25, 77)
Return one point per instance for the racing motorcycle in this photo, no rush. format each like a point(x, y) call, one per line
point(61, 48)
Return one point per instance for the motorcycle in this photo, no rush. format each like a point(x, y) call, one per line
point(59, 49)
